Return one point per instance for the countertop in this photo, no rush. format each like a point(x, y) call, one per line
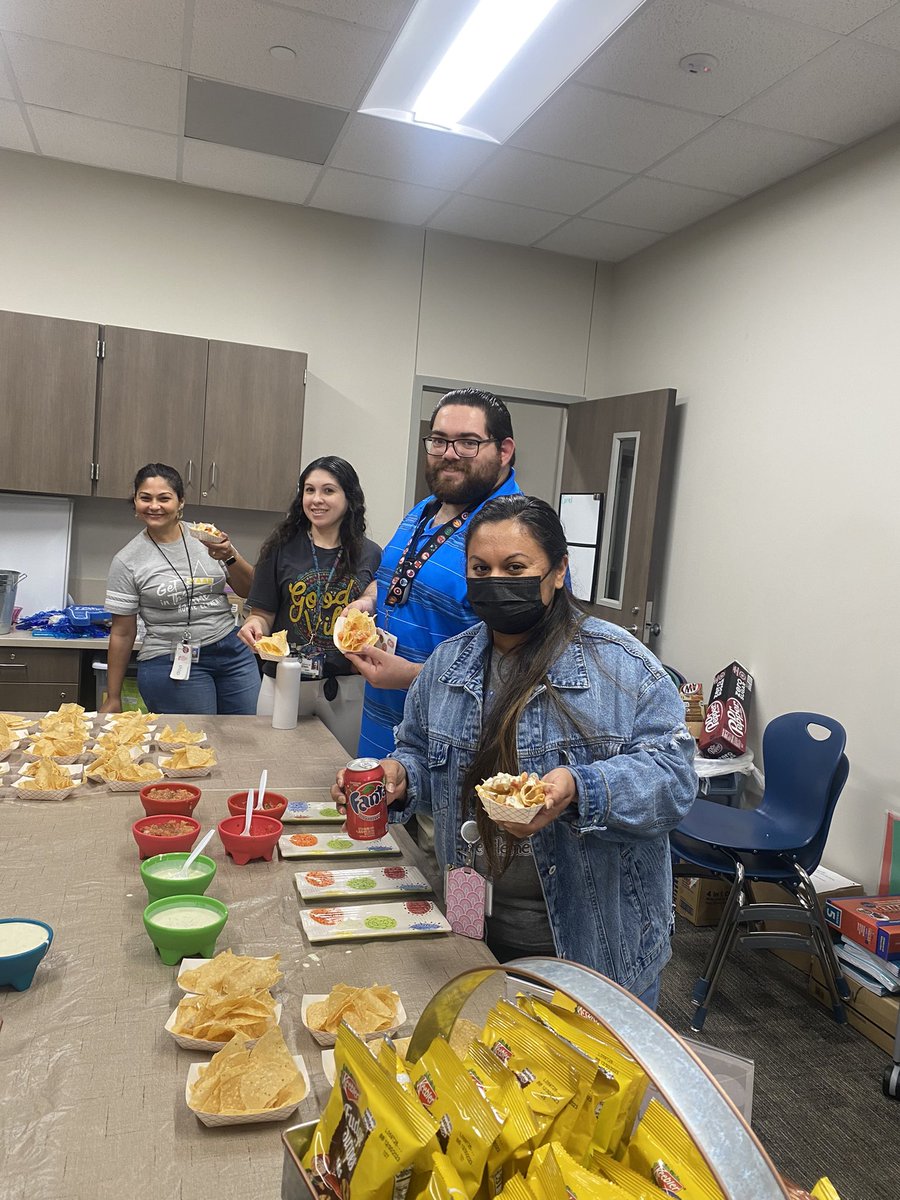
point(22, 638)
point(92, 1100)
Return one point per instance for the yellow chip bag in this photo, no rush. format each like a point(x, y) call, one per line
point(467, 1125)
point(500, 1088)
point(661, 1150)
point(232, 974)
point(275, 643)
point(517, 1188)
point(555, 1175)
point(635, 1186)
point(182, 735)
point(371, 1131)
point(189, 758)
point(440, 1182)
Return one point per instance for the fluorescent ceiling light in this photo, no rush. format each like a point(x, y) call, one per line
point(481, 68)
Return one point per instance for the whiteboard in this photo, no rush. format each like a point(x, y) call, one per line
point(580, 513)
point(582, 565)
point(36, 537)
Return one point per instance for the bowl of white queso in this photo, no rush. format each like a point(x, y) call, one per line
point(23, 943)
point(162, 875)
point(185, 926)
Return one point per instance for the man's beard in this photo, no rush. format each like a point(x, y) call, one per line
point(462, 484)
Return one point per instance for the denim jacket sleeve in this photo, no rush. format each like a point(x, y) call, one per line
point(411, 749)
point(649, 786)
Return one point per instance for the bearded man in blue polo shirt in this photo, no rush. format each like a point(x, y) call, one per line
point(419, 593)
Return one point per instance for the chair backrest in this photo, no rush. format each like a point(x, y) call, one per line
point(804, 774)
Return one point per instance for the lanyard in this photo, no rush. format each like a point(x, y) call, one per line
point(188, 591)
point(320, 593)
point(412, 561)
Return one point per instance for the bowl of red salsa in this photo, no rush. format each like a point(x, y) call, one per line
point(274, 805)
point(164, 833)
point(171, 796)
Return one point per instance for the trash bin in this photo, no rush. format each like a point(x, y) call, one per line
point(9, 581)
point(131, 697)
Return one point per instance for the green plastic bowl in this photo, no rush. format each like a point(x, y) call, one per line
point(203, 871)
point(177, 942)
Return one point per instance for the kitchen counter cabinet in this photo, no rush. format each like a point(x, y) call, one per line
point(37, 677)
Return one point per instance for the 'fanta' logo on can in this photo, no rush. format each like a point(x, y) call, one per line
point(367, 801)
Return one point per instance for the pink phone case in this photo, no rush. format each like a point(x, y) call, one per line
point(464, 894)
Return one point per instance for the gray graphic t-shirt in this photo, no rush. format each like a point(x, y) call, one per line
point(142, 581)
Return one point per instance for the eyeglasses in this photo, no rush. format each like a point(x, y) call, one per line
point(463, 447)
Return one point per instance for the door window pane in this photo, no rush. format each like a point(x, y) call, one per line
point(618, 517)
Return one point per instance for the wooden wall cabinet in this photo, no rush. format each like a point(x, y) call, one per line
point(48, 385)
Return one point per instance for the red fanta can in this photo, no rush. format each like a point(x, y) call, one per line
point(367, 815)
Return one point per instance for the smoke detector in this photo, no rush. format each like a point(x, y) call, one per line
point(699, 64)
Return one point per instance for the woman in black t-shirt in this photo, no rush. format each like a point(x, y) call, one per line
point(312, 565)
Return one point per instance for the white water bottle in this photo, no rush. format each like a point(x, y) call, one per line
point(287, 694)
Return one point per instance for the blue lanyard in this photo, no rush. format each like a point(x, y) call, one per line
point(321, 593)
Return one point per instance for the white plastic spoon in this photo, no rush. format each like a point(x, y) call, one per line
point(263, 780)
point(249, 812)
point(201, 845)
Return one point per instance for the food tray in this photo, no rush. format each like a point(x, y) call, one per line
point(273, 1114)
point(111, 726)
point(51, 794)
point(333, 845)
point(191, 1043)
point(4, 754)
point(383, 640)
point(127, 785)
point(355, 922)
point(62, 760)
point(321, 884)
point(204, 741)
point(191, 964)
point(268, 656)
point(184, 772)
point(505, 813)
point(208, 539)
point(329, 1039)
point(321, 812)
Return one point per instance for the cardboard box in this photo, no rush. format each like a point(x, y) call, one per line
point(873, 1016)
point(725, 725)
point(700, 901)
point(828, 884)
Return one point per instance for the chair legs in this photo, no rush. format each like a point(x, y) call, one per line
point(824, 947)
point(725, 936)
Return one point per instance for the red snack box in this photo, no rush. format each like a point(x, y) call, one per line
point(724, 733)
point(870, 921)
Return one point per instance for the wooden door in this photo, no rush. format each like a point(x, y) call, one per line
point(254, 426)
point(48, 388)
point(152, 396)
point(621, 448)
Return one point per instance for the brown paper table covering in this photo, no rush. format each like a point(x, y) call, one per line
point(91, 1086)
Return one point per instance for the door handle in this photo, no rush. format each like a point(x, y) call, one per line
point(631, 629)
point(213, 474)
point(652, 628)
point(190, 473)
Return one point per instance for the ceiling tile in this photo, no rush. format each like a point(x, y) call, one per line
point(841, 16)
point(849, 92)
point(377, 14)
point(131, 28)
point(598, 240)
point(13, 130)
point(231, 42)
point(737, 158)
point(381, 199)
point(654, 204)
point(490, 220)
point(95, 85)
point(392, 150)
point(247, 173)
point(523, 177)
point(7, 92)
point(104, 144)
point(616, 132)
point(884, 30)
point(753, 52)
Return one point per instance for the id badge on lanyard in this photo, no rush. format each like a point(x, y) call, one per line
point(184, 654)
point(312, 663)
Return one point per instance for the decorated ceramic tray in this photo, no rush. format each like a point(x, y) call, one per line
point(372, 881)
point(320, 812)
point(333, 845)
point(365, 921)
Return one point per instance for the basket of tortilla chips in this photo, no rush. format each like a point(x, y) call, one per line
point(370, 1011)
point(63, 748)
point(9, 739)
point(47, 780)
point(122, 772)
point(171, 739)
point(229, 974)
point(274, 647)
point(203, 531)
point(353, 630)
point(512, 799)
point(188, 762)
point(247, 1084)
point(207, 1021)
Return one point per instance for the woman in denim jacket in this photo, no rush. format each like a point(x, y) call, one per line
point(540, 687)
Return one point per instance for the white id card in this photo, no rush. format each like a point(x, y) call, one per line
point(181, 663)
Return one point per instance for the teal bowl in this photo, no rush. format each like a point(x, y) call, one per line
point(185, 926)
point(17, 970)
point(203, 871)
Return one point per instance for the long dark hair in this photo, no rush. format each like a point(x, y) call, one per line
point(160, 471)
point(529, 663)
point(353, 526)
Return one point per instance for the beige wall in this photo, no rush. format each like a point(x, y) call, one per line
point(777, 323)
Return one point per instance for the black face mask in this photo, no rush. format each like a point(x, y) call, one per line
point(507, 605)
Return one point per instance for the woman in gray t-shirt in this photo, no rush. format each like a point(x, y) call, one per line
point(191, 659)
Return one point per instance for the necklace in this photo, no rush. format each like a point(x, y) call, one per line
point(189, 592)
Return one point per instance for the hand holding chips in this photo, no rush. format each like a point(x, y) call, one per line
point(515, 798)
point(241, 1082)
point(232, 975)
point(273, 646)
point(353, 630)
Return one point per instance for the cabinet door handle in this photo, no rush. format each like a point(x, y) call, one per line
point(213, 474)
point(11, 666)
point(190, 473)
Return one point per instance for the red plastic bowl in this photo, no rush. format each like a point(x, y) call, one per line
point(151, 843)
point(181, 808)
point(274, 805)
point(258, 843)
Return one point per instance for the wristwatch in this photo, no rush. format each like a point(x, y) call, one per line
point(226, 562)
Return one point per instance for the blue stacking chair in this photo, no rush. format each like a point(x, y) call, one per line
point(780, 841)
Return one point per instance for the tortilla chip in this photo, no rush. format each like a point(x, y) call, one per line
point(365, 1009)
point(217, 1018)
point(275, 643)
point(357, 630)
point(515, 791)
point(189, 758)
point(182, 735)
point(46, 776)
point(119, 767)
point(232, 974)
point(239, 1081)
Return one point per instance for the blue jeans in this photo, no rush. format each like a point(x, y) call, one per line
point(225, 679)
